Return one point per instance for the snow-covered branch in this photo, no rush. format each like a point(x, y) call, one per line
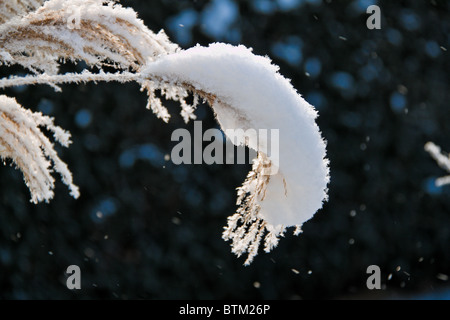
point(55, 79)
point(245, 91)
point(442, 160)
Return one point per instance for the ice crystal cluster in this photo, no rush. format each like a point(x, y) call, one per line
point(244, 90)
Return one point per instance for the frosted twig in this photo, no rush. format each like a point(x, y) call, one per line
point(23, 142)
point(84, 77)
point(442, 160)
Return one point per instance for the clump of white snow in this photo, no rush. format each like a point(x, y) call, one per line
point(251, 94)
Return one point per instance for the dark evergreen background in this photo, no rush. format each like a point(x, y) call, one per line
point(144, 228)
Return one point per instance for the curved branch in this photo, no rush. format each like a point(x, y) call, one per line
point(286, 186)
